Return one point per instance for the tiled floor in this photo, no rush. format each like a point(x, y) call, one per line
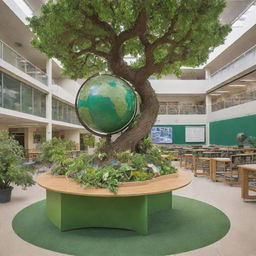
point(240, 241)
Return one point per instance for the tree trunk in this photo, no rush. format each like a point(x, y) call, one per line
point(149, 111)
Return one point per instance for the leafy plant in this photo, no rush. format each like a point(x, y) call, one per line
point(57, 151)
point(144, 145)
point(108, 170)
point(11, 169)
point(89, 140)
point(252, 141)
point(50, 150)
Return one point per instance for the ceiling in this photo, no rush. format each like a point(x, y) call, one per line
point(13, 30)
point(13, 121)
point(233, 9)
point(242, 84)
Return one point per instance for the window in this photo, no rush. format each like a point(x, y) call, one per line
point(39, 104)
point(54, 109)
point(63, 112)
point(11, 91)
point(27, 102)
point(1, 75)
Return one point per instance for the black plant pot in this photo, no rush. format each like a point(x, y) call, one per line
point(5, 195)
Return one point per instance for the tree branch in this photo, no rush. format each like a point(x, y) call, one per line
point(92, 50)
point(138, 29)
point(95, 19)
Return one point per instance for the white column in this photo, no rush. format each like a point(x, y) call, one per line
point(207, 74)
point(208, 105)
point(49, 101)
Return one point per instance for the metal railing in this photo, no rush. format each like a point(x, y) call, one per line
point(12, 57)
point(234, 100)
point(181, 109)
point(232, 65)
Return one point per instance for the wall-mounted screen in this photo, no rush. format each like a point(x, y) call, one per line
point(161, 134)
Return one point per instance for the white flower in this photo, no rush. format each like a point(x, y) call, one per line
point(105, 176)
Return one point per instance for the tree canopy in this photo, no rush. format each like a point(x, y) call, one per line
point(91, 36)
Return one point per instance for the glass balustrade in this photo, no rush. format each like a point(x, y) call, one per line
point(64, 112)
point(13, 58)
point(166, 108)
point(234, 100)
point(18, 96)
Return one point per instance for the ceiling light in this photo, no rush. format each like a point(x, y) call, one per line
point(215, 94)
point(248, 80)
point(222, 91)
point(237, 85)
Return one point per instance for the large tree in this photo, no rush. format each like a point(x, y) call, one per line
point(91, 36)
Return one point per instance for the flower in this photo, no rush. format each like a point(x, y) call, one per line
point(105, 176)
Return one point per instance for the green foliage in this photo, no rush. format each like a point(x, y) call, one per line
point(89, 140)
point(57, 151)
point(252, 141)
point(109, 171)
point(11, 169)
point(173, 33)
point(99, 146)
point(144, 146)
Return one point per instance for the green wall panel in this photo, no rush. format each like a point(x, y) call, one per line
point(178, 133)
point(224, 132)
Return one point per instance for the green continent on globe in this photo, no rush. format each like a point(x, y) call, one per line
point(106, 104)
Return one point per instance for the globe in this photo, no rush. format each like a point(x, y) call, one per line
point(241, 137)
point(106, 104)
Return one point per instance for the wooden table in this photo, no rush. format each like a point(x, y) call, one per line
point(214, 165)
point(245, 171)
point(70, 206)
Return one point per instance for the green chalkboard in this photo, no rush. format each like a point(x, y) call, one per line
point(224, 132)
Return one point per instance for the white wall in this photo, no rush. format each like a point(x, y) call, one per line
point(245, 109)
point(63, 94)
point(179, 86)
point(180, 119)
point(245, 62)
point(69, 86)
point(238, 29)
point(183, 99)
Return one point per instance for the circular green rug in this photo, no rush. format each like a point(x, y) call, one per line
point(190, 225)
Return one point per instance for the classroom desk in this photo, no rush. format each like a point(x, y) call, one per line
point(245, 171)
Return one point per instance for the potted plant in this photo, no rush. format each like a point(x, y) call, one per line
point(11, 169)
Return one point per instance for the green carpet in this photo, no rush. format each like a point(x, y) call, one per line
point(191, 224)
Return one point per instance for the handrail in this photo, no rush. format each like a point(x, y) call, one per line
point(235, 100)
point(22, 63)
point(166, 108)
point(234, 60)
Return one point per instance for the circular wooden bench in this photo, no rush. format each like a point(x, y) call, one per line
point(70, 206)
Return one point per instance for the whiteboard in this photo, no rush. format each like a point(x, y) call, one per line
point(195, 134)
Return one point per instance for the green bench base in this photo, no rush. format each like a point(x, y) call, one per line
point(68, 211)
